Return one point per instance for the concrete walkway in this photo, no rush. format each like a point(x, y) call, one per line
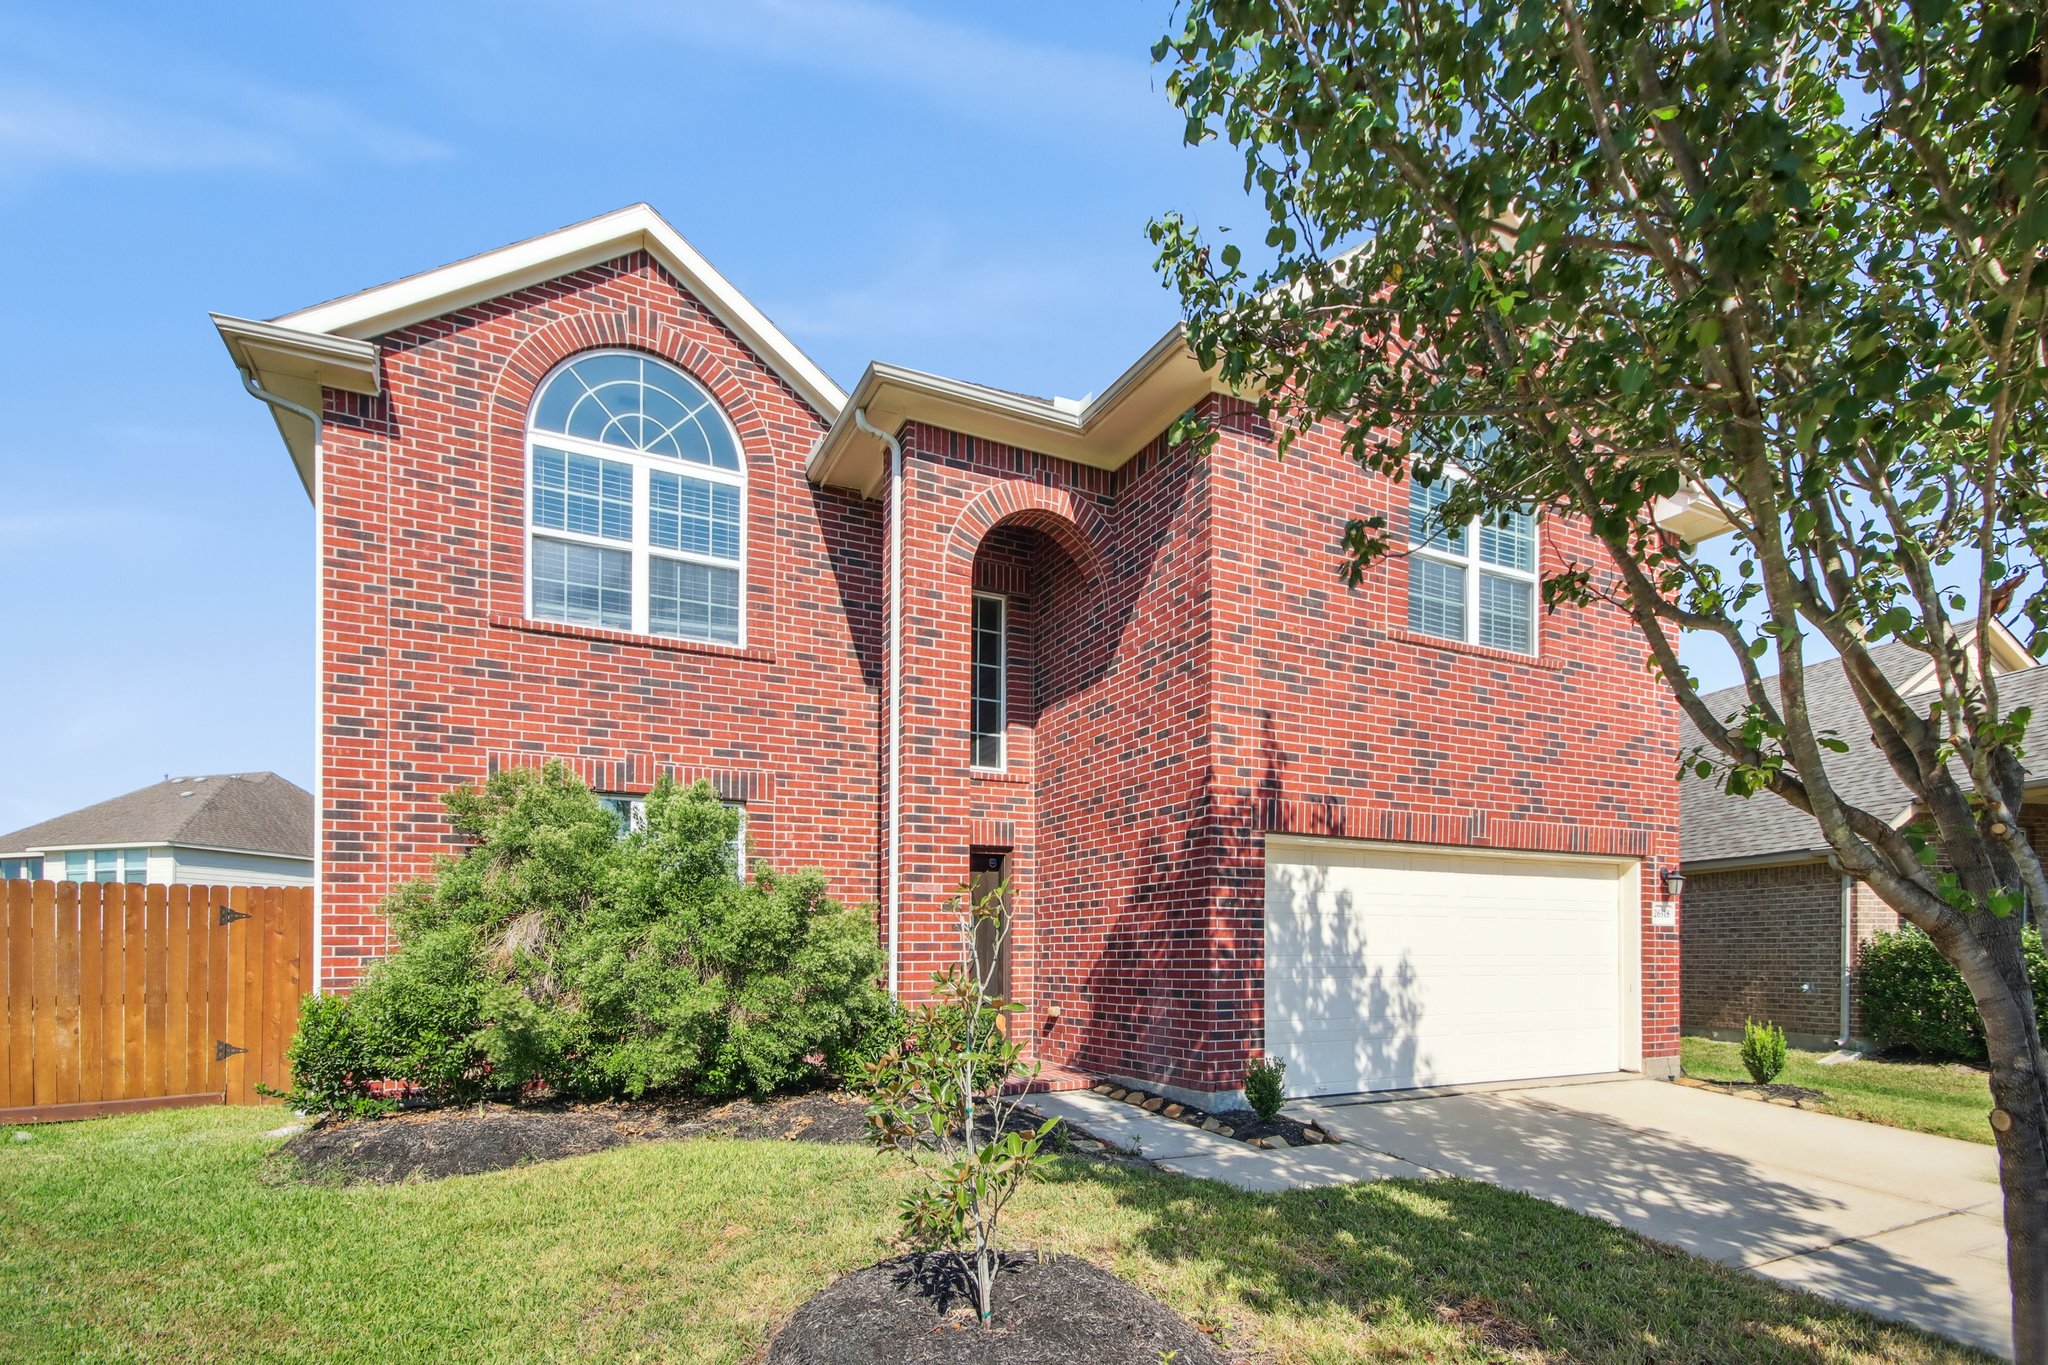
point(1903, 1225)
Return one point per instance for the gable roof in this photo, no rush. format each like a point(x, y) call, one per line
point(1715, 827)
point(252, 812)
point(328, 344)
point(293, 357)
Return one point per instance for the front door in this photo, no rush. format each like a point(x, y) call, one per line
point(989, 872)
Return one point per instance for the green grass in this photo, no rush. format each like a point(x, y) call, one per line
point(1945, 1098)
point(165, 1237)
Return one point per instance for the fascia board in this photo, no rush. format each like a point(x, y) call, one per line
point(296, 366)
point(432, 293)
point(1103, 433)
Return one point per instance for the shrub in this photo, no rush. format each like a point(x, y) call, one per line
point(1763, 1050)
point(1914, 997)
point(330, 1066)
point(554, 952)
point(1265, 1085)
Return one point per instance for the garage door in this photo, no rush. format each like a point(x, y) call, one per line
point(1390, 968)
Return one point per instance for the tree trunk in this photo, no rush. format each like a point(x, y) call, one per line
point(2019, 1124)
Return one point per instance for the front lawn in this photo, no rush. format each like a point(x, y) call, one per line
point(168, 1237)
point(1945, 1098)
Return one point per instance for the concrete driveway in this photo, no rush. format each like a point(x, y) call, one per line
point(1903, 1225)
point(1900, 1224)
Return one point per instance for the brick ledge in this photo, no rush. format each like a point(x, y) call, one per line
point(1549, 662)
point(506, 621)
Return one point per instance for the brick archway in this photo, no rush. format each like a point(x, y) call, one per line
point(1072, 522)
point(537, 356)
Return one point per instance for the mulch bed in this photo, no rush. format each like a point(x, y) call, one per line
point(919, 1310)
point(1242, 1124)
point(432, 1143)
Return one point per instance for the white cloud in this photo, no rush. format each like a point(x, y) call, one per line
point(108, 101)
point(969, 70)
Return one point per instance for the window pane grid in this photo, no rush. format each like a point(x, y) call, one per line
point(694, 601)
point(1436, 598)
point(583, 494)
point(582, 584)
point(1511, 546)
point(986, 719)
point(694, 516)
point(1423, 528)
point(1505, 612)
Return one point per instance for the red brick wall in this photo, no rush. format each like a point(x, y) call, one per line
point(432, 675)
point(1188, 673)
point(1331, 718)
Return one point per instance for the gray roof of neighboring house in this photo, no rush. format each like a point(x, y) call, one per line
point(1714, 825)
point(258, 812)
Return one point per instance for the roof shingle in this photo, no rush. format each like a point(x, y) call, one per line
point(1714, 825)
point(258, 812)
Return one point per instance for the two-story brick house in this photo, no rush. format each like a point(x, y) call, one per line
point(578, 498)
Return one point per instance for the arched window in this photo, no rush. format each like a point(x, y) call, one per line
point(637, 502)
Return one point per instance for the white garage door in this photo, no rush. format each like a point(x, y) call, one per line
point(1389, 968)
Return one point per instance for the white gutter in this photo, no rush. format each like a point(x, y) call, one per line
point(893, 877)
point(1848, 951)
point(319, 636)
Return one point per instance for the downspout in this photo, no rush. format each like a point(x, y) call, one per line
point(893, 876)
point(319, 426)
point(1848, 951)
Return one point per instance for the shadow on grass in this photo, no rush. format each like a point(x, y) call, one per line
point(1487, 1272)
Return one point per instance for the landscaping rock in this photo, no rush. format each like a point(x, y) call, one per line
point(23, 1137)
point(1118, 1093)
point(1314, 1135)
point(1104, 1088)
point(289, 1130)
point(1137, 1097)
point(1153, 1105)
point(1227, 1131)
point(1173, 1111)
point(1275, 1140)
point(1211, 1126)
point(917, 1310)
point(1692, 1083)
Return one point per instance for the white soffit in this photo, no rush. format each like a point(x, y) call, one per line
point(1102, 432)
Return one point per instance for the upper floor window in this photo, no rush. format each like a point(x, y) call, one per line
point(988, 700)
point(13, 869)
point(637, 502)
point(1476, 583)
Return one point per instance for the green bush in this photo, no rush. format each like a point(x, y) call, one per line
point(555, 953)
point(1914, 997)
point(1763, 1050)
point(1264, 1085)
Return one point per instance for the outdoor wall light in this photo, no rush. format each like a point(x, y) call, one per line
point(1674, 883)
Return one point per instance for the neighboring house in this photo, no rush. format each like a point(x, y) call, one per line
point(230, 829)
point(1772, 928)
point(578, 498)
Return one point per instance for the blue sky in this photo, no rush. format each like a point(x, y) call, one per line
point(963, 188)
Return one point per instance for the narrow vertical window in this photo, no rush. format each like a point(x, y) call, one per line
point(989, 718)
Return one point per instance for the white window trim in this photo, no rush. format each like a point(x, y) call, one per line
point(635, 813)
point(1474, 566)
point(640, 547)
point(1002, 731)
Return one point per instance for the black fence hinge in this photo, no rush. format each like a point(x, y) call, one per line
point(228, 916)
point(223, 1051)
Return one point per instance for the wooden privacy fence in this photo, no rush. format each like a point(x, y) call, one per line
point(116, 997)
